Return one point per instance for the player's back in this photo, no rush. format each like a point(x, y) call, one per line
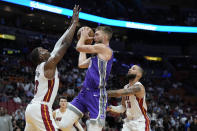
point(98, 73)
point(135, 107)
point(45, 89)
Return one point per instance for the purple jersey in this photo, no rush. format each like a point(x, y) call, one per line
point(93, 95)
point(97, 73)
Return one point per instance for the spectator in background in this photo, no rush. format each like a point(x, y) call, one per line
point(187, 125)
point(17, 99)
point(4, 98)
point(5, 121)
point(193, 126)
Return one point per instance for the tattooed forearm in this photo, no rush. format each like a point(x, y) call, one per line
point(124, 92)
point(132, 90)
point(112, 93)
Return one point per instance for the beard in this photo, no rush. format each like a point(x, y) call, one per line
point(130, 76)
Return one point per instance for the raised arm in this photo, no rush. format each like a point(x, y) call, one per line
point(134, 90)
point(82, 47)
point(62, 45)
point(91, 49)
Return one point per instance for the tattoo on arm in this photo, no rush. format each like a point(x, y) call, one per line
point(132, 90)
point(124, 92)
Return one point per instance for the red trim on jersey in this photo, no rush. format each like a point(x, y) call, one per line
point(140, 102)
point(50, 90)
point(46, 118)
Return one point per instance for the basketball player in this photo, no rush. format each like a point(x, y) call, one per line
point(38, 113)
point(58, 113)
point(93, 95)
point(133, 102)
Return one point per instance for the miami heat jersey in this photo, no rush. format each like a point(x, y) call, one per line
point(135, 106)
point(58, 116)
point(45, 89)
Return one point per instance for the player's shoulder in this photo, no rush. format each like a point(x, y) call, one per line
point(40, 66)
point(56, 110)
point(138, 83)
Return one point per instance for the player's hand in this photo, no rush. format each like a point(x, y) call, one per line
point(85, 34)
point(75, 17)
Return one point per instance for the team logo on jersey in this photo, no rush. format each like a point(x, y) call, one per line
point(58, 119)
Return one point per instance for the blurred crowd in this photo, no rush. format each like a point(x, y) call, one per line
point(170, 84)
point(168, 108)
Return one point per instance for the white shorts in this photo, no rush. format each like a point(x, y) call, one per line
point(39, 118)
point(136, 125)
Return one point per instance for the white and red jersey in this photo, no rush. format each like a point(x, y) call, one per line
point(58, 116)
point(45, 89)
point(136, 107)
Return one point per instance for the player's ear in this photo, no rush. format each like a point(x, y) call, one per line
point(105, 37)
point(41, 57)
point(138, 75)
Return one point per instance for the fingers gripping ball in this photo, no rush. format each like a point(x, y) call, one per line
point(91, 34)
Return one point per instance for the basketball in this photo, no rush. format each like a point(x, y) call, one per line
point(91, 34)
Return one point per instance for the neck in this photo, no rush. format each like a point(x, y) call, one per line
point(106, 43)
point(132, 82)
point(62, 109)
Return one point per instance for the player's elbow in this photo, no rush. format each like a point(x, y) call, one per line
point(78, 48)
point(81, 66)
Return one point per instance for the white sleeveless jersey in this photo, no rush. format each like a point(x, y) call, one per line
point(58, 116)
point(135, 107)
point(45, 89)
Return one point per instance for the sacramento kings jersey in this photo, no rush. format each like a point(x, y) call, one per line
point(97, 73)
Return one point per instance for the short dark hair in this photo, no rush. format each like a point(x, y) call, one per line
point(107, 30)
point(34, 57)
point(141, 70)
point(62, 97)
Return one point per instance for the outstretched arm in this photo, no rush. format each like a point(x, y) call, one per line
point(62, 45)
point(118, 109)
point(126, 92)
